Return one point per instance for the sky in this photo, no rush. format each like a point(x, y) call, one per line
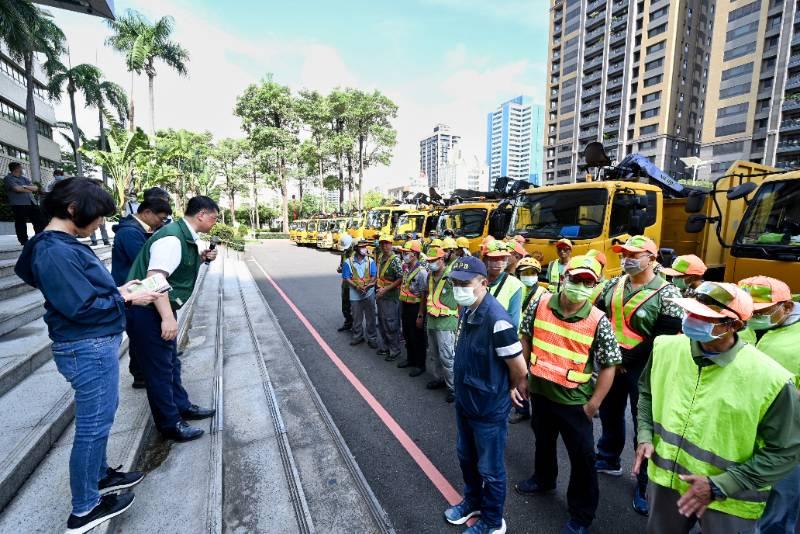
point(441, 61)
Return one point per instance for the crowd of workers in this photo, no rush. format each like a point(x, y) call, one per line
point(709, 370)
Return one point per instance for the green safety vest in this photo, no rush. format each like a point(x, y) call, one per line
point(781, 344)
point(622, 311)
point(435, 306)
point(504, 290)
point(553, 274)
point(705, 419)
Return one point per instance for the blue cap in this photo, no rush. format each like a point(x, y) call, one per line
point(467, 268)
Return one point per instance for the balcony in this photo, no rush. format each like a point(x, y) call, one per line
point(618, 22)
point(592, 133)
point(591, 91)
point(616, 82)
point(617, 67)
point(595, 19)
point(591, 105)
point(618, 36)
point(614, 97)
point(612, 112)
point(791, 104)
point(790, 125)
point(592, 50)
point(591, 78)
point(611, 127)
point(593, 34)
point(618, 6)
point(591, 6)
point(786, 146)
point(590, 119)
point(793, 82)
point(794, 61)
point(592, 64)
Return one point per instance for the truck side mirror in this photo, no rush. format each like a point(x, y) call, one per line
point(741, 191)
point(695, 202)
point(695, 224)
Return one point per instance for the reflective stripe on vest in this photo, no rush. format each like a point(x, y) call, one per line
point(506, 289)
point(598, 289)
point(622, 312)
point(357, 278)
point(382, 282)
point(435, 306)
point(561, 349)
point(706, 419)
point(405, 288)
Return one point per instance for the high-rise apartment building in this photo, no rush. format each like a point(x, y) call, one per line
point(754, 83)
point(433, 152)
point(629, 73)
point(461, 172)
point(515, 140)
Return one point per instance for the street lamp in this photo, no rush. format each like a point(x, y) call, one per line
point(694, 162)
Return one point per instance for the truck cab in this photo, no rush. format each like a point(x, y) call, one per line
point(475, 220)
point(355, 225)
point(421, 222)
point(383, 220)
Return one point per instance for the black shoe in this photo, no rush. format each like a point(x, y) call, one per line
point(109, 506)
point(116, 480)
point(138, 384)
point(416, 372)
point(382, 352)
point(435, 384)
point(451, 397)
point(403, 364)
point(344, 328)
point(195, 413)
point(355, 342)
point(107, 243)
point(392, 357)
point(183, 432)
point(372, 344)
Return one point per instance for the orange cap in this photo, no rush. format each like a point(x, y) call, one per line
point(638, 243)
point(412, 246)
point(434, 253)
point(497, 249)
point(599, 256)
point(518, 248)
point(765, 291)
point(683, 265)
point(564, 243)
point(717, 300)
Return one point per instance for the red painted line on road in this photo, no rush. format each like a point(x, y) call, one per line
point(430, 470)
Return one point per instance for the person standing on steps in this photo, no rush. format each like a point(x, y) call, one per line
point(489, 375)
point(412, 291)
point(639, 305)
point(85, 317)
point(442, 320)
point(19, 190)
point(556, 267)
point(172, 252)
point(346, 245)
point(360, 273)
point(387, 296)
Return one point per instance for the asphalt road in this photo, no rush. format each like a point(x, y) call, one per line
point(309, 278)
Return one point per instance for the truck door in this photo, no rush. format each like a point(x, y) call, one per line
point(633, 211)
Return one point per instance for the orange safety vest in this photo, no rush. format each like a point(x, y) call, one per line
point(384, 266)
point(561, 349)
point(358, 279)
point(622, 312)
point(405, 288)
point(435, 306)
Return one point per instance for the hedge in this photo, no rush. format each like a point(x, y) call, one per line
point(271, 235)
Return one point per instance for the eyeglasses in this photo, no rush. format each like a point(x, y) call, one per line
point(586, 282)
point(715, 297)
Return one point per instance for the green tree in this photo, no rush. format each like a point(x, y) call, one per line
point(340, 141)
point(186, 154)
point(227, 158)
point(269, 118)
point(107, 97)
point(27, 30)
point(125, 150)
point(373, 199)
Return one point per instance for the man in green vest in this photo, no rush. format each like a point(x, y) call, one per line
point(441, 309)
point(387, 297)
point(556, 267)
point(506, 288)
point(719, 420)
point(172, 252)
point(774, 329)
point(638, 306)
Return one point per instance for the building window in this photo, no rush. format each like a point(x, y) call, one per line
point(18, 115)
point(743, 11)
point(741, 70)
point(730, 111)
point(656, 63)
point(652, 97)
point(647, 145)
point(653, 80)
point(652, 49)
point(18, 75)
point(739, 51)
point(731, 129)
point(741, 31)
point(658, 30)
point(728, 148)
point(735, 90)
point(650, 113)
point(647, 130)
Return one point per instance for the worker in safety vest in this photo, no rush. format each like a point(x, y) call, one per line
point(361, 274)
point(463, 247)
point(719, 420)
point(515, 253)
point(387, 296)
point(506, 288)
point(556, 267)
point(638, 306)
point(346, 246)
point(774, 329)
point(601, 285)
point(441, 323)
point(687, 273)
point(484, 248)
point(412, 292)
point(565, 338)
point(450, 248)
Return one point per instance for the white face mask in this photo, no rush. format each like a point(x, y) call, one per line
point(633, 266)
point(464, 296)
point(408, 258)
point(529, 281)
point(434, 266)
point(362, 251)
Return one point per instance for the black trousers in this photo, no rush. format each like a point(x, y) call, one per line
point(23, 214)
point(134, 367)
point(346, 310)
point(415, 337)
point(551, 419)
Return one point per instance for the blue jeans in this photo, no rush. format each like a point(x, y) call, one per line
point(480, 452)
point(91, 366)
point(783, 506)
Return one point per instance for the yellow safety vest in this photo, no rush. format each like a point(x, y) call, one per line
point(622, 312)
point(435, 306)
point(405, 288)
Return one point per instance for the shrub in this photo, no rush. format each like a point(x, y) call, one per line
point(223, 231)
point(271, 235)
point(243, 230)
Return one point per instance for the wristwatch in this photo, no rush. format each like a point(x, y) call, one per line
point(716, 492)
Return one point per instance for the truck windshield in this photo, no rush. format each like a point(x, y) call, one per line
point(467, 222)
point(576, 214)
point(376, 219)
point(355, 222)
point(772, 219)
point(410, 223)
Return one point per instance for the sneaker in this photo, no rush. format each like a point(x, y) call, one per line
point(116, 480)
point(392, 357)
point(344, 328)
point(573, 527)
point(608, 468)
point(416, 372)
point(640, 504)
point(460, 513)
point(482, 528)
point(110, 506)
point(382, 352)
point(531, 487)
point(517, 417)
point(355, 342)
point(435, 384)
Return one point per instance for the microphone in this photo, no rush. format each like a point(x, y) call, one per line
point(212, 246)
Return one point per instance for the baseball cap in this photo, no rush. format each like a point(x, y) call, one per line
point(564, 243)
point(467, 268)
point(529, 263)
point(683, 265)
point(462, 242)
point(434, 253)
point(385, 237)
point(412, 246)
point(449, 243)
point(718, 300)
point(497, 249)
point(518, 248)
point(599, 256)
point(584, 265)
point(637, 243)
point(765, 291)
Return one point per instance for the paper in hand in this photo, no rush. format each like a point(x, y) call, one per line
point(156, 283)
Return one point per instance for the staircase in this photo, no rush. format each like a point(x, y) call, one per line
point(271, 459)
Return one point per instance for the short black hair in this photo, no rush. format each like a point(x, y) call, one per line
point(58, 172)
point(87, 197)
point(200, 203)
point(156, 192)
point(156, 205)
point(13, 166)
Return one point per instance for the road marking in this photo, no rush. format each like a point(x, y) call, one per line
point(434, 475)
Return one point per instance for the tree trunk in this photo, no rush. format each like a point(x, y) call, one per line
point(232, 195)
point(76, 136)
point(131, 124)
point(150, 79)
point(284, 194)
point(103, 144)
point(350, 179)
point(30, 123)
point(340, 165)
point(255, 199)
point(361, 171)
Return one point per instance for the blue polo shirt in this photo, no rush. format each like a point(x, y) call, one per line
point(486, 337)
point(361, 267)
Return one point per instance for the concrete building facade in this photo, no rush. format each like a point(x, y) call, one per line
point(460, 172)
point(433, 152)
point(515, 140)
point(631, 74)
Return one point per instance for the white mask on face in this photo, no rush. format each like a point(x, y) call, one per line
point(434, 266)
point(362, 251)
point(529, 281)
point(464, 296)
point(408, 257)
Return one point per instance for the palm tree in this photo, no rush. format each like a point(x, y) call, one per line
point(127, 30)
point(84, 78)
point(125, 150)
point(106, 97)
point(144, 44)
point(27, 30)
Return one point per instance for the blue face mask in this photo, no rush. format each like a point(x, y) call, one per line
point(699, 330)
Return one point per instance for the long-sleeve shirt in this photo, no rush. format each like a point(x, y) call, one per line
point(779, 428)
